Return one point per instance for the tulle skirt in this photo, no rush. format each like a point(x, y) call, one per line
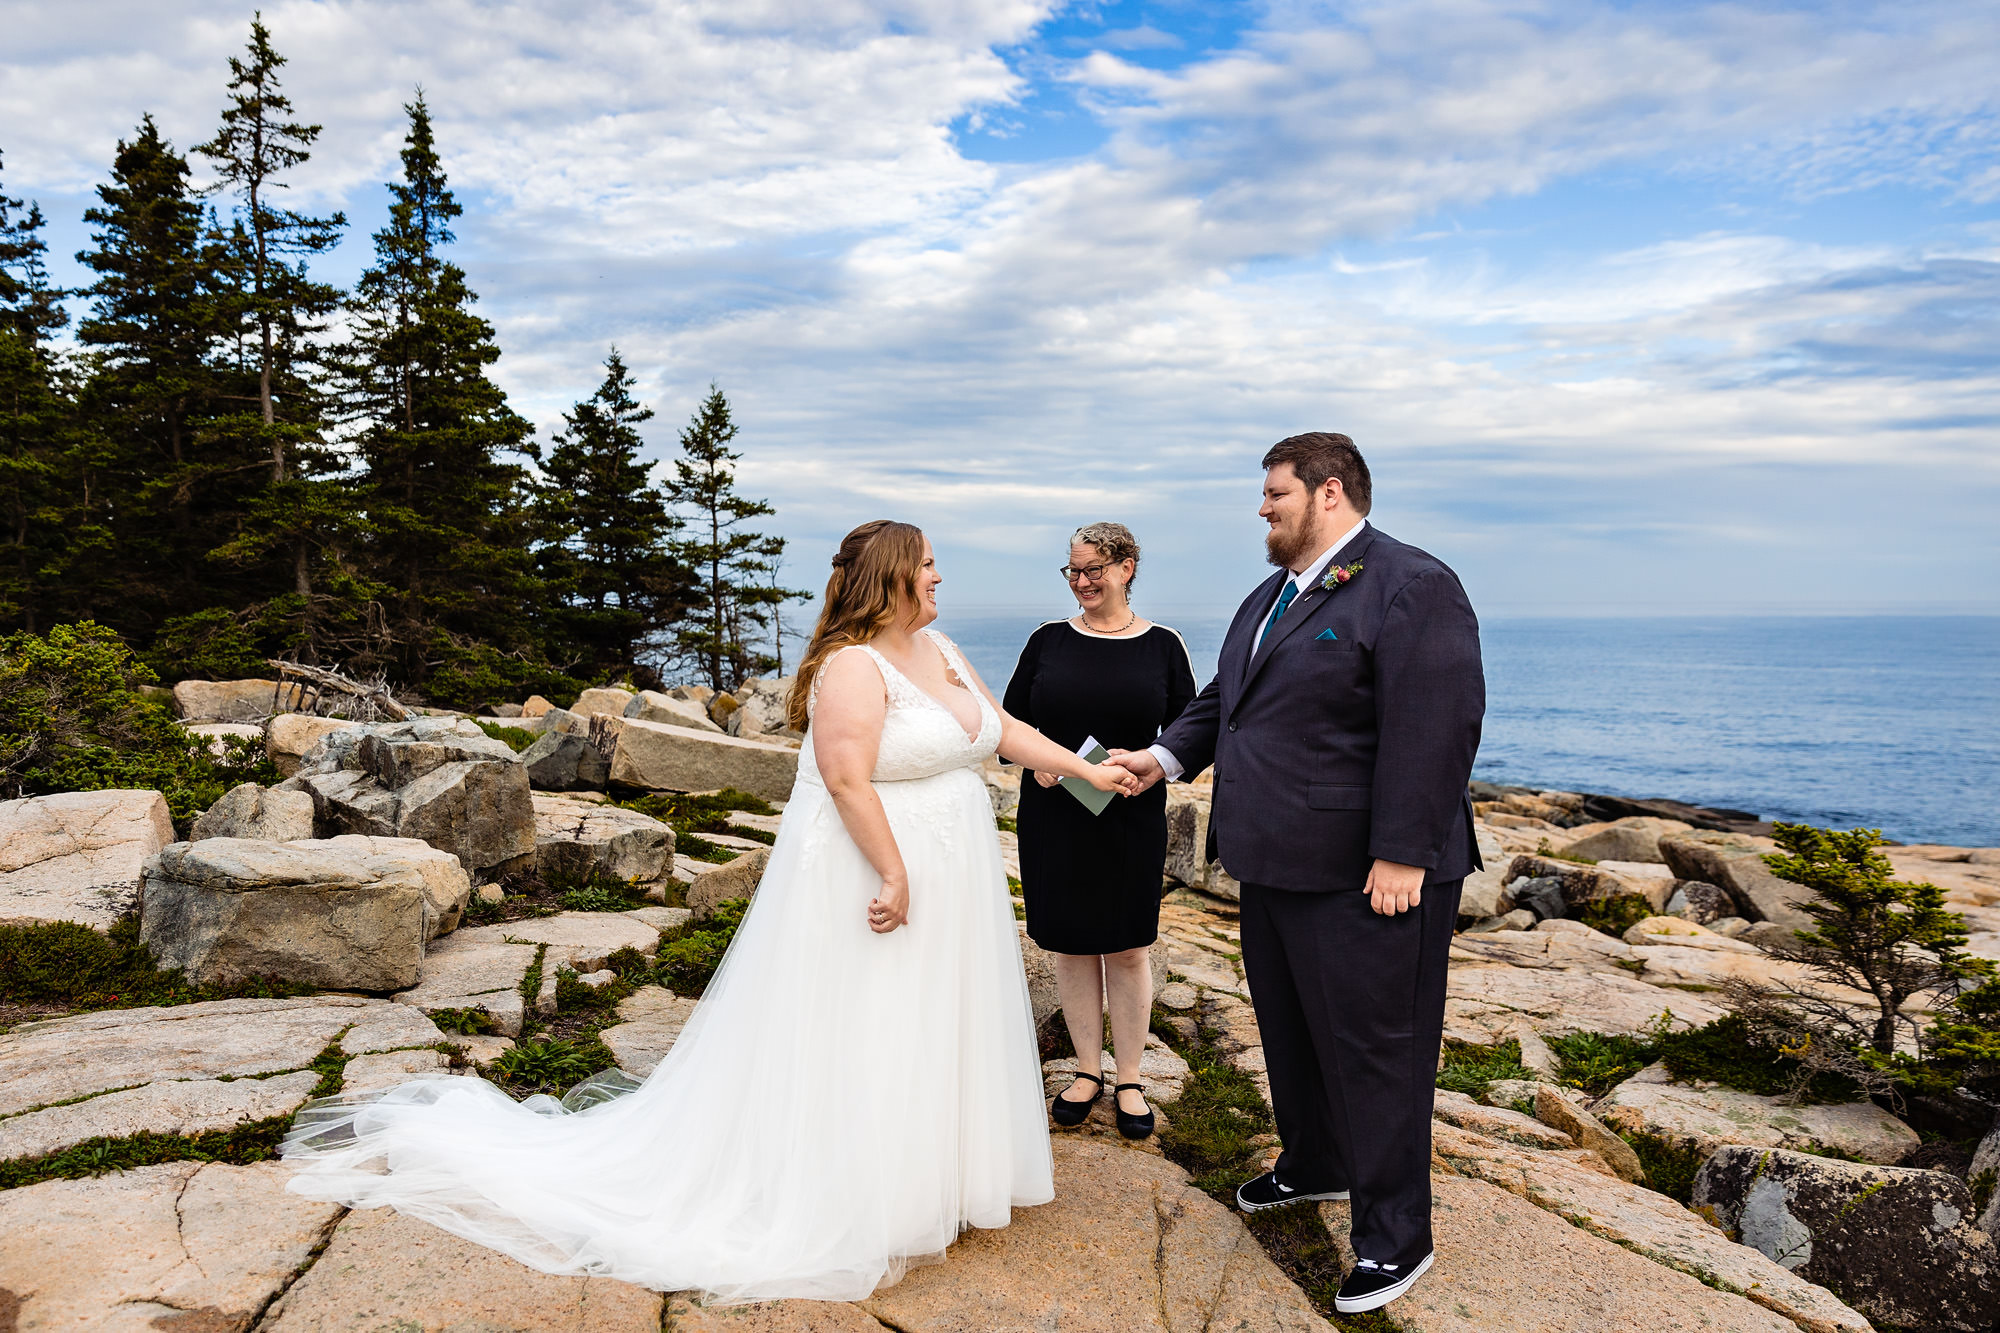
point(840, 1105)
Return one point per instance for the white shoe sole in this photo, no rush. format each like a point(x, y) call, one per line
point(1286, 1203)
point(1377, 1300)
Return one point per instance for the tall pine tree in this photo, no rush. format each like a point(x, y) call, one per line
point(611, 577)
point(158, 314)
point(735, 567)
point(35, 421)
point(280, 309)
point(444, 505)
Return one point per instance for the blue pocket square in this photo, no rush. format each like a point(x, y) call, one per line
point(1324, 635)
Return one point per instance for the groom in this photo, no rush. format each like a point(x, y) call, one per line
point(1342, 723)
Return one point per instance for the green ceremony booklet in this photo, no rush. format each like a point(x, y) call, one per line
point(1093, 799)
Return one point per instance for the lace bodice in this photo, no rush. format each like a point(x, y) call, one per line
point(920, 736)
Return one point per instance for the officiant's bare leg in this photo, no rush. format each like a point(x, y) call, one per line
point(1128, 992)
point(1080, 987)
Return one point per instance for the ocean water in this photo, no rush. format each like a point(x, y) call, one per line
point(1885, 722)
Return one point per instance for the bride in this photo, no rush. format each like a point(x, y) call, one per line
point(859, 1083)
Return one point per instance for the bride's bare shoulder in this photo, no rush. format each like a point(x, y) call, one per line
point(850, 677)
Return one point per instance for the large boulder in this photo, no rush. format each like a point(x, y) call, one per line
point(288, 737)
point(653, 706)
point(762, 708)
point(608, 700)
point(78, 856)
point(249, 811)
point(345, 914)
point(565, 761)
point(1899, 1245)
point(1735, 861)
point(1582, 884)
point(1633, 839)
point(235, 700)
point(1705, 1117)
point(659, 757)
point(575, 838)
point(1703, 904)
point(442, 780)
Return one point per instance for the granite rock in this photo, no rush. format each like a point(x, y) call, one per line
point(78, 856)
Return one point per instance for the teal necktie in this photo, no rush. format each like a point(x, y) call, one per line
point(1290, 591)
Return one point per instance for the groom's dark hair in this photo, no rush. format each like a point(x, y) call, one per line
point(1319, 454)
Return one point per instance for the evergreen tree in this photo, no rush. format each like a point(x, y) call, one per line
point(735, 588)
point(607, 563)
point(449, 529)
point(280, 309)
point(156, 317)
point(34, 418)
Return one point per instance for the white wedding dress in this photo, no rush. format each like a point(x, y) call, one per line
point(840, 1105)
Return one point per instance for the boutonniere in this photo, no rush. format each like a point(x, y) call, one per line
point(1339, 575)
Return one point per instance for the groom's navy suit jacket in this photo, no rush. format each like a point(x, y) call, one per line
point(1348, 735)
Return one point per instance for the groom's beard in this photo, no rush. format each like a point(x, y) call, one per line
point(1287, 548)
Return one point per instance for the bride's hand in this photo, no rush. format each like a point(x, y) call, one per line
point(1047, 779)
point(1111, 778)
point(890, 908)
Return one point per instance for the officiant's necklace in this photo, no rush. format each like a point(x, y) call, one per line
point(1133, 620)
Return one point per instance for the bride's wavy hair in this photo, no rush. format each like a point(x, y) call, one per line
point(873, 585)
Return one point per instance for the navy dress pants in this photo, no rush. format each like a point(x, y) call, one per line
point(1351, 1007)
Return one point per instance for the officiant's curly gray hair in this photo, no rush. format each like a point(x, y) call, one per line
point(1114, 541)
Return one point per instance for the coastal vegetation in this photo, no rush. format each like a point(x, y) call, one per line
point(218, 458)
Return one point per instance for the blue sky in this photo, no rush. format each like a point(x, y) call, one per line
point(1635, 308)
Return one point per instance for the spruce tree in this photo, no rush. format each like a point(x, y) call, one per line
point(34, 419)
point(606, 562)
point(156, 317)
point(735, 589)
point(445, 510)
point(280, 309)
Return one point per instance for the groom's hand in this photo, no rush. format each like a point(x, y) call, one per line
point(1140, 764)
point(1393, 887)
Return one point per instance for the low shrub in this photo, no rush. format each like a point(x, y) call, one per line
point(1615, 915)
point(61, 962)
point(463, 1022)
point(690, 953)
point(1730, 1052)
point(1670, 1167)
point(550, 1064)
point(1597, 1062)
point(516, 739)
point(1469, 1067)
point(698, 848)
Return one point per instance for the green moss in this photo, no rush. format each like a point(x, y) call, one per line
point(331, 1066)
point(690, 953)
point(1596, 1062)
point(531, 980)
point(698, 848)
point(61, 962)
point(254, 1142)
point(1670, 1167)
point(1982, 1190)
point(1468, 1068)
point(463, 1022)
point(1006, 824)
point(1617, 914)
point(516, 739)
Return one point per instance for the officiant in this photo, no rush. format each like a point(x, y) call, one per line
point(1091, 881)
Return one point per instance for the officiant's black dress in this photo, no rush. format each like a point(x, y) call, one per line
point(1092, 882)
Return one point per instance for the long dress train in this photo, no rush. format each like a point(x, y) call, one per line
point(841, 1103)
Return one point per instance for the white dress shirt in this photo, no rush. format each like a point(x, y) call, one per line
point(1301, 580)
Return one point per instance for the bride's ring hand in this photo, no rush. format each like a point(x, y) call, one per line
point(890, 908)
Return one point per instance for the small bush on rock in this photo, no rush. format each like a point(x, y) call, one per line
point(61, 962)
point(72, 719)
point(551, 1064)
point(1468, 1068)
point(464, 1022)
point(690, 953)
point(514, 738)
point(1615, 915)
point(1597, 1062)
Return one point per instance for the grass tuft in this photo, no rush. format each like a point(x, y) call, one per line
point(516, 739)
point(690, 953)
point(1469, 1068)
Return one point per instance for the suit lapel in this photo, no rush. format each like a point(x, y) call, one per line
point(1307, 602)
point(1260, 608)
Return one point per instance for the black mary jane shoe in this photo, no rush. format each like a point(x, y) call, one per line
point(1132, 1126)
point(1067, 1111)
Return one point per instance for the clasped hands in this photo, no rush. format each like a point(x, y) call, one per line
point(1392, 887)
point(1110, 776)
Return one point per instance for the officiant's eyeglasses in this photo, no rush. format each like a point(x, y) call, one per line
point(1090, 573)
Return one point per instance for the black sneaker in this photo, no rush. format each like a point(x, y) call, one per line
point(1371, 1285)
point(1266, 1192)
